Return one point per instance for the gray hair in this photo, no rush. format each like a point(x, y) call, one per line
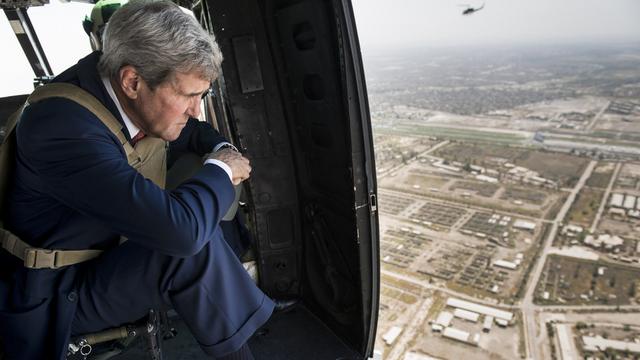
point(158, 38)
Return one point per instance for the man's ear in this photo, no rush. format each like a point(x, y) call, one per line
point(129, 81)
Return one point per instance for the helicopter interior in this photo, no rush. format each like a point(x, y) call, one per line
point(292, 97)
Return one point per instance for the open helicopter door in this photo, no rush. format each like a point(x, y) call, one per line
point(293, 96)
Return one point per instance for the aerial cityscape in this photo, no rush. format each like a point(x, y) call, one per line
point(509, 201)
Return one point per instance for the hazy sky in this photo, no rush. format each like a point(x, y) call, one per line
point(416, 23)
point(59, 28)
point(382, 25)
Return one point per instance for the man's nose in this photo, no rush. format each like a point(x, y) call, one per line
point(194, 107)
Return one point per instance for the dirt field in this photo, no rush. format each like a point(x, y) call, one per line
point(563, 168)
point(524, 194)
point(481, 155)
point(629, 177)
point(585, 207)
point(582, 282)
point(618, 123)
point(480, 188)
point(425, 182)
point(601, 175)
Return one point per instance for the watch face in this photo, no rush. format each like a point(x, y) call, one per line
point(229, 146)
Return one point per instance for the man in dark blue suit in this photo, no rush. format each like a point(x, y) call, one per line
point(74, 189)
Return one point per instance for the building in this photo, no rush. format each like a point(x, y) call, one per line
point(505, 264)
point(414, 356)
point(598, 343)
point(480, 309)
point(629, 202)
point(617, 211)
point(606, 241)
point(487, 324)
point(488, 179)
point(463, 336)
point(466, 315)
point(572, 229)
point(441, 165)
point(524, 225)
point(390, 336)
point(616, 200)
point(444, 318)
point(568, 350)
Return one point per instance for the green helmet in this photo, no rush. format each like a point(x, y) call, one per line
point(100, 14)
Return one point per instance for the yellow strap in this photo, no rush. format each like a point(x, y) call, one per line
point(38, 258)
point(107, 335)
point(88, 101)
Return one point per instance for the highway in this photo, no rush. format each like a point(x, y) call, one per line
point(528, 307)
point(605, 197)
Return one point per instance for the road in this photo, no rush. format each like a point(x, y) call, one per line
point(528, 307)
point(409, 332)
point(605, 197)
point(426, 152)
point(597, 117)
point(426, 285)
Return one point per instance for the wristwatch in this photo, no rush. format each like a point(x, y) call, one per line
point(228, 146)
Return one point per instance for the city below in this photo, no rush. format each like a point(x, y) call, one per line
point(509, 202)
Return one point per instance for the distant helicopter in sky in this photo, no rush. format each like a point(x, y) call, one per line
point(470, 9)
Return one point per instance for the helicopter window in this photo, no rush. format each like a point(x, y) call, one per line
point(54, 36)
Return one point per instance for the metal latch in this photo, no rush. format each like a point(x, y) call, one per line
point(373, 203)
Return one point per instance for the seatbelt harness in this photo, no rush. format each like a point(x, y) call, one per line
point(38, 258)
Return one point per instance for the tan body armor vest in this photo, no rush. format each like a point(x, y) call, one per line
point(149, 157)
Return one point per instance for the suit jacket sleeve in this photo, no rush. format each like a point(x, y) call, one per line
point(197, 137)
point(82, 165)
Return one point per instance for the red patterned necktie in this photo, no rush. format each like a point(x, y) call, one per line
point(137, 138)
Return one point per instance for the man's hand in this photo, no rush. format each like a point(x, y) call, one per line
point(240, 168)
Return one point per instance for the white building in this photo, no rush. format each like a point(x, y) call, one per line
point(444, 318)
point(463, 336)
point(565, 340)
point(480, 309)
point(466, 315)
point(488, 179)
point(524, 225)
point(572, 228)
point(616, 200)
point(629, 202)
point(601, 344)
point(617, 211)
point(605, 241)
point(416, 356)
point(505, 264)
point(487, 324)
point(390, 336)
